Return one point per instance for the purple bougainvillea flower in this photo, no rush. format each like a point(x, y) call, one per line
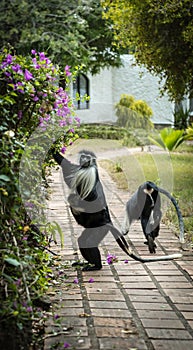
point(29, 309)
point(56, 316)
point(91, 280)
point(18, 282)
point(76, 280)
point(67, 71)
point(17, 68)
point(66, 345)
point(36, 98)
point(33, 52)
point(111, 258)
point(48, 61)
point(28, 75)
point(126, 261)
point(62, 122)
point(29, 204)
point(8, 74)
point(42, 56)
point(63, 150)
point(20, 113)
point(9, 59)
point(77, 120)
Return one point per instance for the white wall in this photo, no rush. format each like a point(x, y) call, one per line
point(107, 87)
point(101, 99)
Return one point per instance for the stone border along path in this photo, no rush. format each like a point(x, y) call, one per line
point(125, 305)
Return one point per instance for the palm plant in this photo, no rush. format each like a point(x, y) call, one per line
point(168, 138)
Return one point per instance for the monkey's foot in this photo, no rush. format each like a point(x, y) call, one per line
point(146, 243)
point(91, 268)
point(151, 244)
point(79, 263)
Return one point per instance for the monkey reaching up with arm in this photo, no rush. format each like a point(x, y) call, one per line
point(88, 205)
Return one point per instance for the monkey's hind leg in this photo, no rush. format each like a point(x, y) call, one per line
point(93, 256)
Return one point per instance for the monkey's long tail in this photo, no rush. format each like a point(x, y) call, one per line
point(125, 247)
point(178, 211)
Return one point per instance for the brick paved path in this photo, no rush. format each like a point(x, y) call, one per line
point(125, 305)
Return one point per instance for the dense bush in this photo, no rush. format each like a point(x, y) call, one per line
point(103, 131)
point(35, 111)
point(133, 113)
point(128, 137)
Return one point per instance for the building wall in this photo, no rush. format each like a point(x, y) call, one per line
point(107, 87)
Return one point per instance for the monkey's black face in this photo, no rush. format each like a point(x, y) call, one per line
point(85, 160)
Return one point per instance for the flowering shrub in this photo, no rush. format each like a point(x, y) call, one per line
point(35, 112)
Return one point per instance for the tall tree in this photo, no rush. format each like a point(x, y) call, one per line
point(70, 32)
point(162, 34)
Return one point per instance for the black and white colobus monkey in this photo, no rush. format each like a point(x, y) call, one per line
point(145, 205)
point(89, 208)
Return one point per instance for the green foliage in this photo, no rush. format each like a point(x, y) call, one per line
point(118, 168)
point(133, 113)
point(168, 138)
point(72, 33)
point(189, 133)
point(35, 112)
point(129, 138)
point(103, 131)
point(161, 32)
point(181, 118)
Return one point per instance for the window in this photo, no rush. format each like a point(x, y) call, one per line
point(81, 88)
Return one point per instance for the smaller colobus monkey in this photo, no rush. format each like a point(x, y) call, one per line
point(145, 205)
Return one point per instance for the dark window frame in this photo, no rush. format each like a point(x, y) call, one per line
point(79, 104)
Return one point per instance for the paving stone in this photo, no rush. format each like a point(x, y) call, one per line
point(105, 297)
point(139, 285)
point(114, 322)
point(111, 313)
point(135, 278)
point(185, 307)
point(157, 314)
point(108, 304)
point(123, 344)
point(151, 306)
point(175, 285)
point(172, 344)
point(147, 298)
point(164, 323)
point(83, 343)
point(188, 315)
point(166, 333)
point(142, 291)
point(181, 299)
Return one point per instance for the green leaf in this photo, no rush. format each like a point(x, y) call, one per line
point(7, 277)
point(12, 261)
point(157, 141)
point(168, 138)
point(4, 178)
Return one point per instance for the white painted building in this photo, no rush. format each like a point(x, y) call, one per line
point(106, 88)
